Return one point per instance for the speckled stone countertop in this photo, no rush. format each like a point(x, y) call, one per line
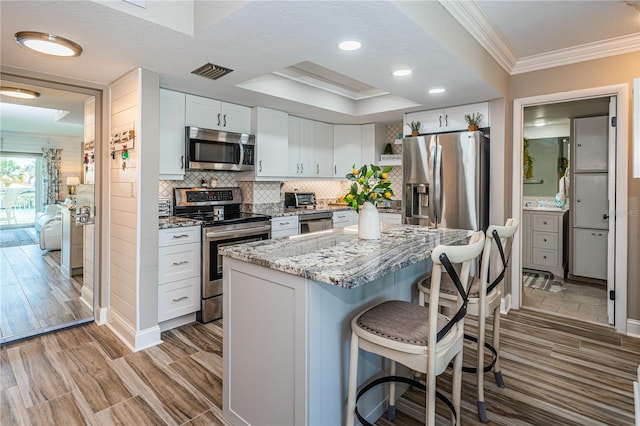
point(340, 258)
point(335, 208)
point(177, 222)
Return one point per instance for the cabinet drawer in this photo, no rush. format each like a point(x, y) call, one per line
point(546, 223)
point(178, 262)
point(284, 223)
point(394, 218)
point(342, 219)
point(173, 236)
point(179, 298)
point(545, 240)
point(545, 257)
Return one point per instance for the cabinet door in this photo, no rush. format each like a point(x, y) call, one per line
point(526, 237)
point(591, 200)
point(203, 112)
point(323, 150)
point(394, 218)
point(307, 142)
point(235, 118)
point(346, 149)
point(590, 253)
point(271, 129)
point(293, 168)
point(454, 117)
point(431, 121)
point(590, 140)
point(171, 141)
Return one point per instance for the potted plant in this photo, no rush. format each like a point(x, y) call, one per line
point(527, 161)
point(415, 128)
point(473, 120)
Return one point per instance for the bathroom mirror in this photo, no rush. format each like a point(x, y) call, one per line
point(545, 161)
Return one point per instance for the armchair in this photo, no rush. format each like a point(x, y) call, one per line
point(48, 224)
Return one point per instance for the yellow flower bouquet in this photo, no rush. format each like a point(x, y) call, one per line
point(370, 184)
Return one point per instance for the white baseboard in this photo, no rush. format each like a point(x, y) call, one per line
point(505, 304)
point(86, 296)
point(134, 340)
point(633, 327)
point(177, 322)
point(101, 316)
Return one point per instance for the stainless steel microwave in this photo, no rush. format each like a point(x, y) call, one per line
point(208, 149)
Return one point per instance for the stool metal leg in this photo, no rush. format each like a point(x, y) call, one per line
point(353, 380)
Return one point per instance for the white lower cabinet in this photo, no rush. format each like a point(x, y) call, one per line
point(284, 226)
point(178, 272)
point(344, 218)
point(393, 218)
point(544, 241)
point(590, 253)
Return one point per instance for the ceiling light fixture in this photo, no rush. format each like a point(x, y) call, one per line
point(437, 90)
point(48, 44)
point(350, 45)
point(402, 73)
point(16, 92)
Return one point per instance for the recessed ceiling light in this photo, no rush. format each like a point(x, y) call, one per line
point(48, 44)
point(437, 90)
point(402, 73)
point(350, 45)
point(539, 123)
point(16, 92)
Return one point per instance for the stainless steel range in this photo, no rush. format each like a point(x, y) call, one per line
point(222, 224)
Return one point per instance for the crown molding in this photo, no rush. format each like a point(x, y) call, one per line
point(586, 52)
point(473, 19)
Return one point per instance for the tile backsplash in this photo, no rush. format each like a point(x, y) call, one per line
point(266, 197)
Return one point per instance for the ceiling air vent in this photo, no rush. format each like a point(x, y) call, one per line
point(211, 71)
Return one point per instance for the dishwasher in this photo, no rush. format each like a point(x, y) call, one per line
point(315, 221)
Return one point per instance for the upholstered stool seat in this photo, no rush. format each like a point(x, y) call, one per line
point(416, 336)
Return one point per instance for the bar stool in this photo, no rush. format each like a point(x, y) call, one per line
point(417, 336)
point(484, 301)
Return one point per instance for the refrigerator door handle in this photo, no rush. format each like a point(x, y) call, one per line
point(432, 162)
point(438, 184)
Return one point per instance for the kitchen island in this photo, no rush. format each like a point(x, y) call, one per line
point(288, 307)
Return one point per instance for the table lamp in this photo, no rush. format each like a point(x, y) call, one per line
point(72, 182)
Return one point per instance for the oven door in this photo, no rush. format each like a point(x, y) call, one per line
point(212, 261)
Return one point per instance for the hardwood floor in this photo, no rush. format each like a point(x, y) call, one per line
point(34, 295)
point(557, 371)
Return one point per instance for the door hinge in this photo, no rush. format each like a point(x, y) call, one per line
point(614, 121)
point(612, 295)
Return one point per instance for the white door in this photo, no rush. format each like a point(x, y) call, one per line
point(611, 240)
point(592, 200)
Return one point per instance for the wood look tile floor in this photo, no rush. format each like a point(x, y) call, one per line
point(557, 372)
point(34, 294)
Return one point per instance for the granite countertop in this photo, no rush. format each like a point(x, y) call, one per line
point(546, 208)
point(340, 258)
point(177, 222)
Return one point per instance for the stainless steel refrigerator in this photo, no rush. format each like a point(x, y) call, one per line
point(446, 180)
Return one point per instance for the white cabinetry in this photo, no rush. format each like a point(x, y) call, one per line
point(544, 241)
point(271, 129)
point(393, 218)
point(172, 133)
point(310, 148)
point(178, 272)
point(446, 120)
point(344, 218)
point(590, 253)
point(284, 226)
point(356, 144)
point(217, 115)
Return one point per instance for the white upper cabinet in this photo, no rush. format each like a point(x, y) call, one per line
point(271, 129)
point(323, 150)
point(172, 133)
point(447, 119)
point(217, 115)
point(591, 143)
point(310, 148)
point(346, 148)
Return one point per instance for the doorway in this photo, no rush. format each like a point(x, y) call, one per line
point(48, 145)
point(617, 236)
point(564, 260)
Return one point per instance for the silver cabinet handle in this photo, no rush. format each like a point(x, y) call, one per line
point(446, 120)
point(180, 298)
point(596, 234)
point(317, 169)
point(284, 223)
point(439, 121)
point(297, 168)
point(544, 239)
point(180, 236)
point(578, 200)
point(182, 162)
point(218, 119)
point(260, 163)
point(225, 120)
point(183, 262)
point(544, 222)
point(335, 170)
point(301, 168)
